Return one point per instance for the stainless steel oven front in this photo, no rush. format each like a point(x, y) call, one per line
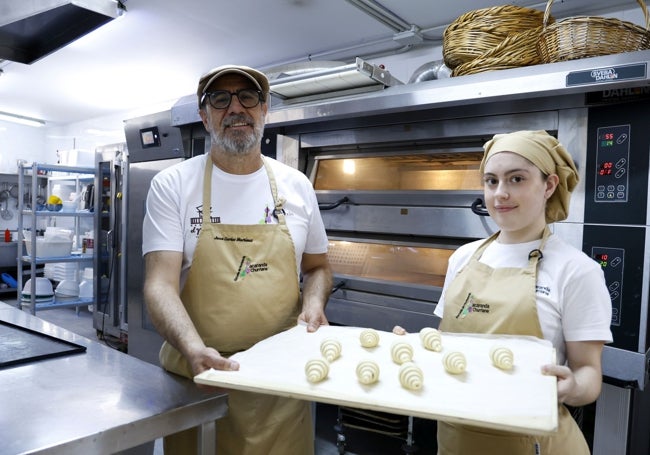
point(399, 196)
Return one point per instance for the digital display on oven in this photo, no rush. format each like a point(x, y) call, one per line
point(150, 137)
point(612, 164)
point(611, 260)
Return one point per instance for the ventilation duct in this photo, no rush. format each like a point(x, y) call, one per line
point(32, 29)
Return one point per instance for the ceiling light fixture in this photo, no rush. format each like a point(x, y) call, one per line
point(15, 118)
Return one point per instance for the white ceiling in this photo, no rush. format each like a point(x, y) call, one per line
point(157, 50)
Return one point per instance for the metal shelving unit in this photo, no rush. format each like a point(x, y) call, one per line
point(39, 217)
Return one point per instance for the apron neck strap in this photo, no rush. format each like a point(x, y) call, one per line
point(533, 257)
point(278, 211)
point(207, 187)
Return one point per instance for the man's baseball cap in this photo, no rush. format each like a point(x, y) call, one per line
point(258, 78)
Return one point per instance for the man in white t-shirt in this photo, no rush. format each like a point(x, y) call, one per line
point(226, 237)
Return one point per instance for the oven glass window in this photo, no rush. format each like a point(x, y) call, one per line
point(435, 171)
point(397, 263)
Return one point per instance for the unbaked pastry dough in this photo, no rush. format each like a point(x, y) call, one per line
point(331, 349)
point(410, 376)
point(431, 339)
point(401, 352)
point(369, 338)
point(454, 362)
point(502, 357)
point(316, 370)
point(367, 372)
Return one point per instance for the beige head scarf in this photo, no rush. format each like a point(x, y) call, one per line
point(545, 152)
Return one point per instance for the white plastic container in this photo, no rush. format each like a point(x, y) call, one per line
point(69, 206)
point(86, 289)
point(49, 248)
point(87, 274)
point(86, 285)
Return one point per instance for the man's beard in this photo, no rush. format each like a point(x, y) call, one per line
point(238, 142)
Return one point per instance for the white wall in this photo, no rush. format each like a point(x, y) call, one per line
point(20, 141)
point(42, 145)
point(93, 133)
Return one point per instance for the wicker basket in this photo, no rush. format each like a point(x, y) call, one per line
point(476, 32)
point(587, 36)
point(514, 51)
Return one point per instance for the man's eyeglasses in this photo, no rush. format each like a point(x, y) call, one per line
point(221, 99)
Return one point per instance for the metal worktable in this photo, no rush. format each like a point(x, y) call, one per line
point(100, 401)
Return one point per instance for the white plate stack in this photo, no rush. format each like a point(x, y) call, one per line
point(59, 271)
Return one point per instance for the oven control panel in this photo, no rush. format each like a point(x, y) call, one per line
point(620, 251)
point(616, 171)
point(612, 164)
point(612, 260)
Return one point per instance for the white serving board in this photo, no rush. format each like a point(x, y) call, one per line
point(521, 399)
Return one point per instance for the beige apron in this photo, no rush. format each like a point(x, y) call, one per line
point(509, 296)
point(243, 287)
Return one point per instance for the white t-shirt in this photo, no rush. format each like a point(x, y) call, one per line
point(573, 303)
point(174, 207)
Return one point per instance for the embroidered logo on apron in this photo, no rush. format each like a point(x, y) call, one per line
point(246, 267)
point(472, 306)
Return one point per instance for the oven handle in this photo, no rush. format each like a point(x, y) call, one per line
point(338, 286)
point(478, 207)
point(333, 205)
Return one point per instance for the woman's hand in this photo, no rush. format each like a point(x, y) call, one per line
point(566, 382)
point(579, 383)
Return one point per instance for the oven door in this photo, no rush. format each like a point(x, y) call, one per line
point(397, 199)
point(393, 218)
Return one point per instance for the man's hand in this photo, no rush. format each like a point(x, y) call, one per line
point(207, 358)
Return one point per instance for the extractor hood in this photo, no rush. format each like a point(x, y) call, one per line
point(32, 29)
point(360, 75)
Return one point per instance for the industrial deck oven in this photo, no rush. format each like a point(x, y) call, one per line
point(396, 176)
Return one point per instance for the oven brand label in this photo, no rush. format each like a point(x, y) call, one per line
point(608, 74)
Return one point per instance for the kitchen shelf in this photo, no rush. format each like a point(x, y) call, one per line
point(63, 304)
point(78, 213)
point(41, 260)
point(74, 178)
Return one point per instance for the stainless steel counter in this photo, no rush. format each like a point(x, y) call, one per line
point(98, 402)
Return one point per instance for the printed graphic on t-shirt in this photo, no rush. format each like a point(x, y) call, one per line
point(196, 221)
point(270, 214)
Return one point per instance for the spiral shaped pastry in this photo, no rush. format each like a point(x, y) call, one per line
point(369, 338)
point(502, 357)
point(410, 376)
point(454, 362)
point(401, 352)
point(431, 339)
point(316, 370)
point(367, 372)
point(331, 349)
